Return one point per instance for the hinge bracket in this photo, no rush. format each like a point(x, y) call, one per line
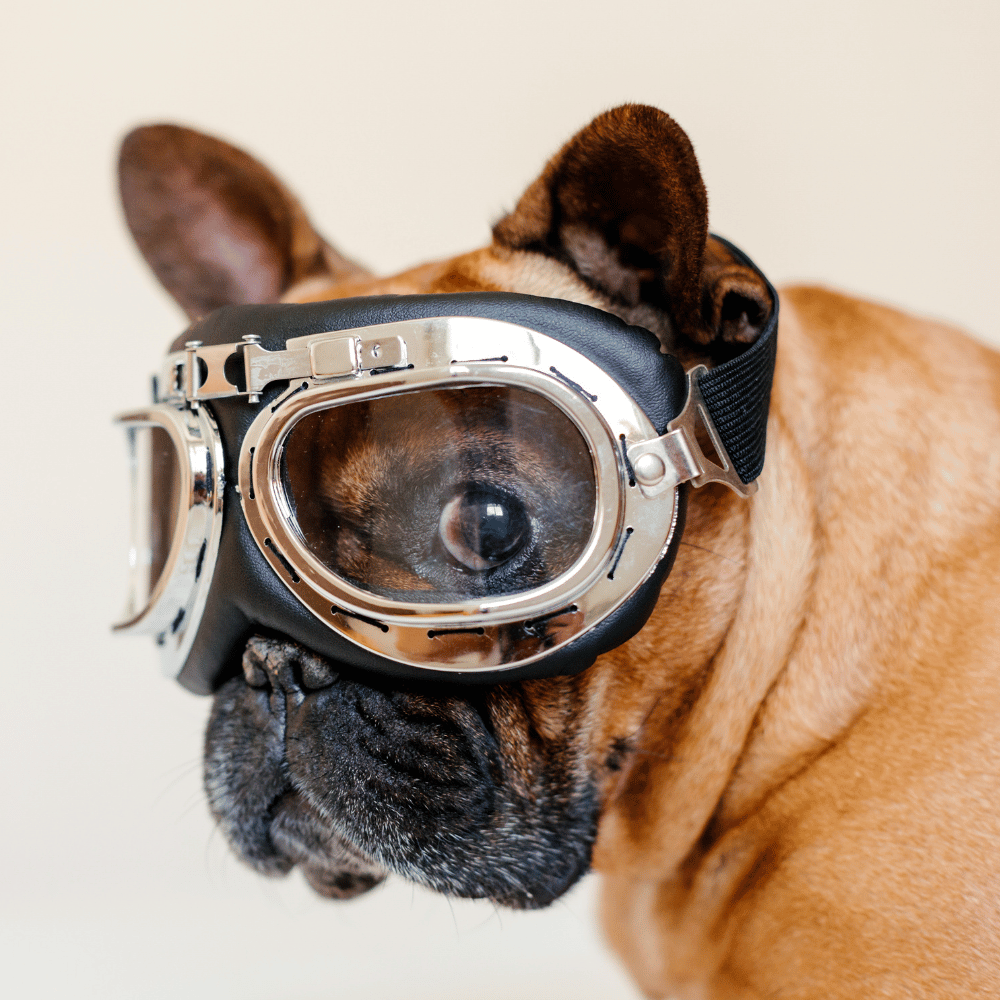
point(662, 463)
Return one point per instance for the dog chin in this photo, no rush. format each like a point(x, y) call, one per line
point(331, 866)
point(350, 781)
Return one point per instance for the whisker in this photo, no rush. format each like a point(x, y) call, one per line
point(642, 725)
point(195, 801)
point(184, 764)
point(189, 768)
point(711, 552)
point(454, 919)
point(209, 841)
point(631, 740)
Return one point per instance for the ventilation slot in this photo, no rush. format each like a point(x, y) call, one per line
point(361, 618)
point(618, 554)
point(535, 626)
point(433, 633)
point(281, 558)
point(573, 385)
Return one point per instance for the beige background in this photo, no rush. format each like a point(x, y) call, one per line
point(854, 143)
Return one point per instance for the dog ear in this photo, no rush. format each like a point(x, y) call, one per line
point(735, 302)
point(624, 205)
point(216, 226)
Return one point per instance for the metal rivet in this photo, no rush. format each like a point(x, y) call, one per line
point(251, 338)
point(649, 469)
point(192, 345)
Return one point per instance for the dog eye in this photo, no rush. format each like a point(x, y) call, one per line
point(483, 528)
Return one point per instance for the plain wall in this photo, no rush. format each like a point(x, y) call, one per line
point(851, 143)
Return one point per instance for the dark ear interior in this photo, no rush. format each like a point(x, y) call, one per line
point(623, 203)
point(735, 303)
point(216, 226)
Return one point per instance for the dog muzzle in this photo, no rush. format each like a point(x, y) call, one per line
point(476, 487)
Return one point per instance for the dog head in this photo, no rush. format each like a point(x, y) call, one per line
point(495, 792)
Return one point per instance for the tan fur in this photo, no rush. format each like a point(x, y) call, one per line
point(798, 755)
point(841, 633)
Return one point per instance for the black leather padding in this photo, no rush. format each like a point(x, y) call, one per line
point(246, 596)
point(629, 354)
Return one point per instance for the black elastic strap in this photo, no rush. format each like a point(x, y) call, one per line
point(738, 392)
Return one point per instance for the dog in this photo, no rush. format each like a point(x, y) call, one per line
point(788, 778)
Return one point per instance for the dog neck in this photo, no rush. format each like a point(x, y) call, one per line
point(732, 612)
point(813, 627)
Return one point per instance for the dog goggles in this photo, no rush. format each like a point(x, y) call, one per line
point(470, 486)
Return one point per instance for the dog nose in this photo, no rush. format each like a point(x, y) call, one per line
point(285, 666)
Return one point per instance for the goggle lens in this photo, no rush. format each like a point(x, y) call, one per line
point(442, 495)
point(165, 488)
point(156, 484)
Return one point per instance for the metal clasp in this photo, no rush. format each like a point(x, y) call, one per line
point(198, 373)
point(676, 457)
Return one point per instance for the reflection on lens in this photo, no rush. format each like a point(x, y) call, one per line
point(442, 495)
point(156, 483)
point(164, 476)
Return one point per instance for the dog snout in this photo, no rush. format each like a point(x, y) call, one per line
point(285, 667)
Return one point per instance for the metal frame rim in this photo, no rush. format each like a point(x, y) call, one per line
point(173, 608)
point(382, 628)
point(335, 590)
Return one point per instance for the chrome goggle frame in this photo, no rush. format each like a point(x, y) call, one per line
point(171, 609)
point(471, 634)
point(636, 471)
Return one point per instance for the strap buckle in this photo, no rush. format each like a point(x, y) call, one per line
point(676, 457)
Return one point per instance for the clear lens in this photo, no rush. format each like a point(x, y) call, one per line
point(164, 477)
point(156, 484)
point(442, 495)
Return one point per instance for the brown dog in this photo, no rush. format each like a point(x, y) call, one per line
point(787, 778)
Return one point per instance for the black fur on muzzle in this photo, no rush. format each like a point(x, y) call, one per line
point(452, 789)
